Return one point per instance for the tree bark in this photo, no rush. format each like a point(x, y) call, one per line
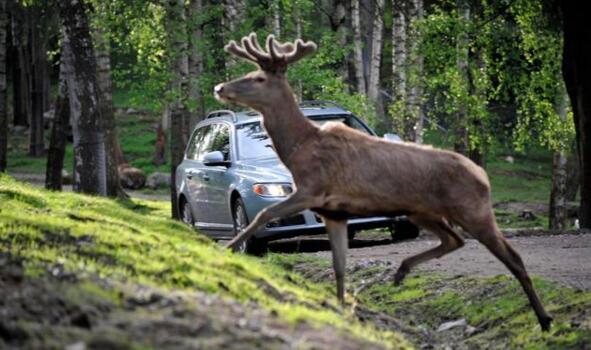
point(276, 24)
point(557, 209)
point(39, 66)
point(415, 92)
point(577, 76)
point(399, 66)
point(87, 127)
point(176, 23)
point(61, 120)
point(572, 176)
point(105, 90)
point(461, 123)
point(22, 70)
point(376, 51)
point(373, 88)
point(196, 61)
point(358, 48)
point(3, 114)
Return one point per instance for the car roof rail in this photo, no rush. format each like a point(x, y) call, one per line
point(222, 113)
point(319, 104)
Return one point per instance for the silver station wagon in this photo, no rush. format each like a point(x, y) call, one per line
point(230, 172)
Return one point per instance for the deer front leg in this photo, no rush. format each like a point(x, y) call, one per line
point(292, 205)
point(337, 233)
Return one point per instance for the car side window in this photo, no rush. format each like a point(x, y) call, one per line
point(221, 140)
point(197, 144)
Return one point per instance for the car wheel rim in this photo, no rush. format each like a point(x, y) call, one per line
point(240, 223)
point(187, 218)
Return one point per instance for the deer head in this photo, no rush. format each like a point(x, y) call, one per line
point(267, 84)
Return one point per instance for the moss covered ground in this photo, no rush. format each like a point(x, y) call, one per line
point(106, 244)
point(493, 313)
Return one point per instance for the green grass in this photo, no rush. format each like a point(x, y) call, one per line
point(134, 241)
point(496, 306)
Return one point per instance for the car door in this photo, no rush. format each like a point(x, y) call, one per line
point(218, 179)
point(194, 171)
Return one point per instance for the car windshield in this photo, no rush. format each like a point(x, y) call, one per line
point(253, 141)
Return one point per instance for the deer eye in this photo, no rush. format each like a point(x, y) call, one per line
point(259, 79)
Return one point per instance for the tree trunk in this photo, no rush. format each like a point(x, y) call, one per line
point(558, 213)
point(105, 90)
point(373, 89)
point(39, 65)
point(399, 67)
point(87, 127)
point(61, 120)
point(357, 48)
point(415, 96)
point(22, 70)
point(572, 176)
point(3, 115)
point(577, 76)
point(337, 16)
point(178, 109)
point(276, 18)
point(195, 61)
point(461, 144)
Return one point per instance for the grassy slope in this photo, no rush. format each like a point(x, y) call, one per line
point(496, 307)
point(134, 241)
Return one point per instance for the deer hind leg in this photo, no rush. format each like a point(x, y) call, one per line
point(337, 233)
point(450, 241)
point(490, 236)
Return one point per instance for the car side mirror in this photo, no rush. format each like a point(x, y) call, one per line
point(215, 158)
point(392, 137)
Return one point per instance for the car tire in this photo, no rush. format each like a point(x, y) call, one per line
point(251, 246)
point(186, 215)
point(404, 229)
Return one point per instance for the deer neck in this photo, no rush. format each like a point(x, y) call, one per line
point(287, 127)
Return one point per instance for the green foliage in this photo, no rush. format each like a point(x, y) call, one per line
point(513, 55)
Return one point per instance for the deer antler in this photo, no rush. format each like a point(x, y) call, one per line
point(276, 57)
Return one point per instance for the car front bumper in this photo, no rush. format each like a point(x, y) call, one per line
point(309, 223)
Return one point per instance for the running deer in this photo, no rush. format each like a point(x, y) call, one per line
point(339, 172)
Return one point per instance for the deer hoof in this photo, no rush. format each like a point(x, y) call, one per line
point(546, 323)
point(400, 274)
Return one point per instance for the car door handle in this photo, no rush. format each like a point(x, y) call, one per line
point(190, 174)
point(205, 177)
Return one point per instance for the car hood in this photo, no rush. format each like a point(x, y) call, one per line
point(264, 170)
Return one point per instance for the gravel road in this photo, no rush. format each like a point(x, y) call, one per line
point(565, 258)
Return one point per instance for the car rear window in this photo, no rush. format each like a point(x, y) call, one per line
point(253, 141)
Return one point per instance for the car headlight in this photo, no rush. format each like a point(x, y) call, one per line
point(272, 190)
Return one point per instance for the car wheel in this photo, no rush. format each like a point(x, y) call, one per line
point(252, 245)
point(404, 229)
point(186, 215)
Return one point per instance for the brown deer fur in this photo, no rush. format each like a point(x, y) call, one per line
point(339, 172)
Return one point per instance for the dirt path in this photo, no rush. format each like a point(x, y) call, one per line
point(562, 258)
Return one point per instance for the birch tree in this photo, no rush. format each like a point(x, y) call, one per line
point(399, 67)
point(414, 122)
point(557, 214)
point(61, 120)
point(195, 60)
point(177, 31)
point(89, 141)
point(3, 101)
point(357, 48)
point(373, 87)
point(105, 91)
